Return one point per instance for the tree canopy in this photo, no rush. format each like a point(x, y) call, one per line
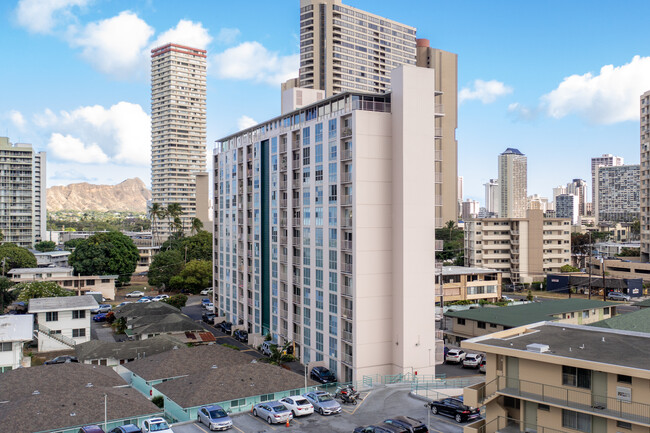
point(197, 247)
point(195, 276)
point(6, 296)
point(16, 257)
point(41, 289)
point(72, 244)
point(453, 243)
point(45, 246)
point(177, 301)
point(111, 253)
point(165, 265)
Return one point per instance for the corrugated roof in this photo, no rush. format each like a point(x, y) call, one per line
point(645, 303)
point(18, 327)
point(638, 321)
point(84, 302)
point(518, 315)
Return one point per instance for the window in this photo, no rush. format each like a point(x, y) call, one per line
point(76, 333)
point(578, 377)
point(460, 321)
point(624, 379)
point(585, 314)
point(79, 314)
point(511, 402)
point(52, 316)
point(625, 425)
point(480, 325)
point(544, 407)
point(6, 347)
point(606, 311)
point(576, 420)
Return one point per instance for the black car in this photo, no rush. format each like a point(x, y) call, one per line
point(454, 408)
point(411, 425)
point(322, 375)
point(128, 428)
point(225, 327)
point(62, 360)
point(208, 317)
point(241, 335)
point(372, 429)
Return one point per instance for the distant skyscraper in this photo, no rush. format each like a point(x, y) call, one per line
point(617, 193)
point(178, 128)
point(492, 196)
point(470, 209)
point(606, 160)
point(567, 206)
point(578, 187)
point(513, 184)
point(22, 197)
point(645, 176)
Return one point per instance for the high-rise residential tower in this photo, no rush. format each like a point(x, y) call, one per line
point(513, 184)
point(323, 237)
point(578, 187)
point(606, 160)
point(644, 193)
point(492, 196)
point(22, 196)
point(178, 128)
point(568, 206)
point(617, 193)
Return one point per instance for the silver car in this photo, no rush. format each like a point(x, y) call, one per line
point(214, 417)
point(273, 412)
point(323, 402)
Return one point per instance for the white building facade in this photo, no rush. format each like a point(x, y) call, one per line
point(617, 193)
point(568, 206)
point(15, 331)
point(513, 184)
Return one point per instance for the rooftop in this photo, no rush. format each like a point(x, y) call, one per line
point(50, 397)
point(52, 253)
point(18, 327)
point(512, 151)
point(97, 349)
point(162, 324)
point(462, 270)
point(219, 384)
point(519, 315)
point(61, 303)
point(643, 304)
point(638, 321)
point(175, 363)
point(59, 269)
point(136, 309)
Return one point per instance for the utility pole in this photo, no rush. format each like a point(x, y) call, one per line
point(602, 267)
point(590, 249)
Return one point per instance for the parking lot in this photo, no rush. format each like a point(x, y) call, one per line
point(377, 405)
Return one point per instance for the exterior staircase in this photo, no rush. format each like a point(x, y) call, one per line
point(47, 332)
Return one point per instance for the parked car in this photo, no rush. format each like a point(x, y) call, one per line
point(225, 327)
point(411, 425)
point(160, 298)
point(298, 405)
point(135, 294)
point(209, 306)
point(101, 317)
point(208, 317)
point(214, 417)
point(323, 402)
point(103, 308)
point(266, 347)
point(241, 335)
point(121, 305)
point(472, 360)
point(128, 428)
point(507, 299)
point(205, 301)
point(273, 412)
point(455, 356)
point(454, 408)
point(322, 375)
point(618, 296)
point(144, 300)
point(207, 291)
point(91, 429)
point(62, 360)
point(372, 429)
point(481, 366)
point(158, 425)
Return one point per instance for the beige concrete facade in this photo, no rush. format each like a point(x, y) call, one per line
point(105, 284)
point(524, 249)
point(513, 184)
point(178, 128)
point(526, 390)
point(203, 201)
point(469, 284)
point(608, 160)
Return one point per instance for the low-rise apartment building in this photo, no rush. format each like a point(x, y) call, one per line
point(104, 284)
point(557, 377)
point(62, 322)
point(56, 259)
point(523, 249)
point(15, 331)
point(460, 283)
point(486, 320)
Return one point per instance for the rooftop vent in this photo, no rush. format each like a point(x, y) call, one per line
point(537, 348)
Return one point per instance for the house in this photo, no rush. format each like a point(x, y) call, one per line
point(105, 284)
point(62, 322)
point(146, 320)
point(461, 283)
point(486, 320)
point(61, 398)
point(15, 331)
point(558, 377)
point(56, 259)
point(113, 353)
point(642, 304)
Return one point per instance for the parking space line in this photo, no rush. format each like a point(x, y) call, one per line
point(260, 420)
point(242, 431)
point(359, 405)
point(198, 424)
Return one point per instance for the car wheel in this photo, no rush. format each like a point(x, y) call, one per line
point(321, 411)
point(434, 410)
point(269, 420)
point(459, 418)
point(295, 413)
point(254, 412)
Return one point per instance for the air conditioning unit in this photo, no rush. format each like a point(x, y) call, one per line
point(537, 348)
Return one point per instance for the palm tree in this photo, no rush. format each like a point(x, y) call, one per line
point(197, 226)
point(154, 212)
point(174, 212)
point(451, 225)
point(280, 355)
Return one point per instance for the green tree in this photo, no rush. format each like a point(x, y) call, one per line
point(45, 246)
point(197, 226)
point(156, 212)
point(635, 229)
point(72, 244)
point(12, 256)
point(195, 276)
point(453, 243)
point(530, 296)
point(177, 301)
point(108, 253)
point(280, 355)
point(6, 296)
point(174, 212)
point(40, 289)
point(580, 246)
point(569, 268)
point(197, 247)
point(164, 266)
point(629, 252)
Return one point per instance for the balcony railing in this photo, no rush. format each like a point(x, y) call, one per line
point(346, 200)
point(347, 336)
point(296, 183)
point(346, 177)
point(346, 312)
point(346, 268)
point(346, 245)
point(346, 154)
point(346, 222)
point(347, 359)
point(507, 425)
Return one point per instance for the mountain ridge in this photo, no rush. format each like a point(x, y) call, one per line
point(130, 195)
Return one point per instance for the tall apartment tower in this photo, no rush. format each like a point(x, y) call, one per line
point(644, 194)
point(178, 128)
point(22, 197)
point(578, 187)
point(617, 193)
point(568, 206)
point(492, 196)
point(323, 237)
point(606, 160)
point(513, 184)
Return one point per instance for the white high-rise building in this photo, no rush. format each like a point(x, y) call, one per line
point(323, 237)
point(513, 184)
point(644, 184)
point(470, 209)
point(617, 193)
point(178, 128)
point(606, 160)
point(492, 196)
point(568, 206)
point(578, 187)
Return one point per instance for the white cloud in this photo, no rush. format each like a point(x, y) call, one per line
point(246, 122)
point(69, 148)
point(609, 97)
point(522, 112)
point(227, 36)
point(41, 16)
point(185, 33)
point(121, 133)
point(252, 61)
point(115, 46)
point(17, 119)
point(485, 91)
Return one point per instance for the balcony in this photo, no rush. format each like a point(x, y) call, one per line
point(346, 154)
point(346, 132)
point(296, 221)
point(347, 359)
point(346, 268)
point(283, 295)
point(506, 425)
point(439, 110)
point(283, 184)
point(346, 200)
point(346, 245)
point(283, 147)
point(283, 202)
point(296, 241)
point(346, 313)
point(346, 223)
point(295, 144)
point(296, 183)
point(346, 290)
point(346, 177)
point(296, 279)
point(346, 336)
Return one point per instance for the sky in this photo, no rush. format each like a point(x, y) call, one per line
point(558, 80)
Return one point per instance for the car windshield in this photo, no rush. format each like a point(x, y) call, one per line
point(302, 402)
point(159, 426)
point(279, 408)
point(324, 397)
point(218, 413)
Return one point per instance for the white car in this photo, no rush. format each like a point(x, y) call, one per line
point(208, 306)
point(455, 356)
point(206, 292)
point(158, 425)
point(298, 405)
point(160, 298)
point(472, 360)
point(136, 294)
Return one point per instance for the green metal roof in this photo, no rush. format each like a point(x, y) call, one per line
point(638, 321)
point(519, 315)
point(645, 303)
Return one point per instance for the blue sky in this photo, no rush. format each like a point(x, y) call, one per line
point(558, 80)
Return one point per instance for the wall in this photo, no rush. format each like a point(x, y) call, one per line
point(65, 324)
point(13, 358)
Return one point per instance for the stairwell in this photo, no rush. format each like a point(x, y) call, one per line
point(44, 331)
